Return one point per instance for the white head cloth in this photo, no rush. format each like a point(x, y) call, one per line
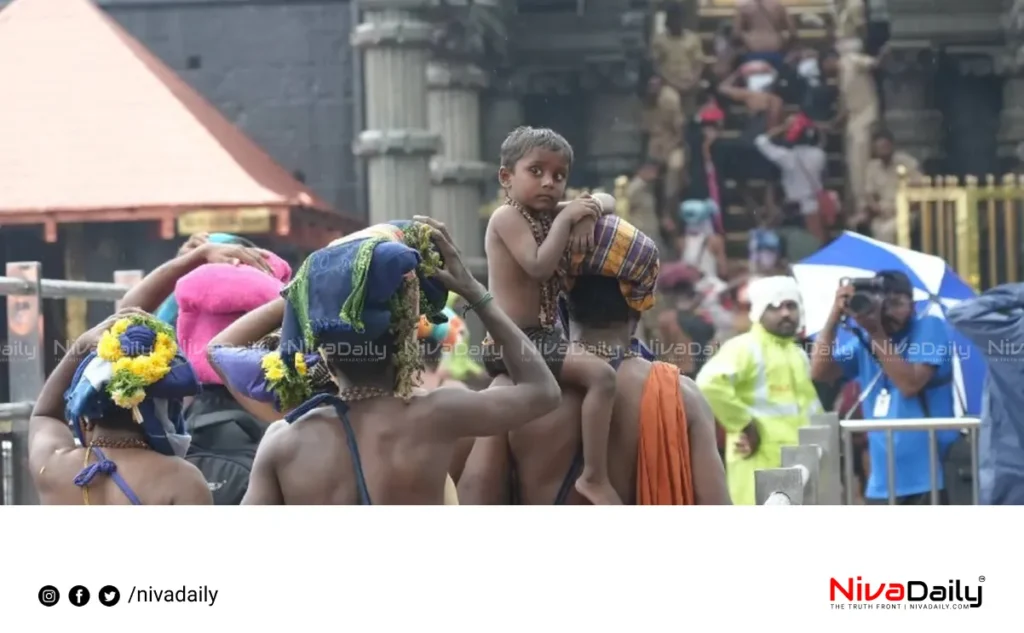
point(771, 292)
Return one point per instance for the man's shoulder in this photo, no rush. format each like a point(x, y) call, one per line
point(929, 326)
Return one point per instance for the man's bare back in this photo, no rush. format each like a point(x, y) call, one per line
point(156, 479)
point(401, 464)
point(543, 450)
point(763, 25)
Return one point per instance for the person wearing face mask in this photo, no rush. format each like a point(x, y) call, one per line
point(700, 245)
point(759, 385)
point(767, 249)
point(903, 363)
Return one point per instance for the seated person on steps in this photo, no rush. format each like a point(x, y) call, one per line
point(526, 242)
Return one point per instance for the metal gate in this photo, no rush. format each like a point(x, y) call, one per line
point(975, 227)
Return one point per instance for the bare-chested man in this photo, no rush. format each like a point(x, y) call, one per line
point(236, 353)
point(125, 415)
point(662, 428)
point(765, 29)
point(377, 441)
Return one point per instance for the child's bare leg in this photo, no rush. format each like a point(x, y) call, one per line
point(597, 377)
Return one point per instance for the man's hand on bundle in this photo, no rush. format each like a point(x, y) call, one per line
point(454, 275)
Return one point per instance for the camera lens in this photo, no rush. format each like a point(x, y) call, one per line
point(860, 303)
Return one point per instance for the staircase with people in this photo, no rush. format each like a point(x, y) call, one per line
point(744, 164)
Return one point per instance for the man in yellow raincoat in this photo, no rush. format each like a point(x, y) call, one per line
point(759, 385)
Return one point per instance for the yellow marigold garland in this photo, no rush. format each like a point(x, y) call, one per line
point(291, 389)
point(132, 374)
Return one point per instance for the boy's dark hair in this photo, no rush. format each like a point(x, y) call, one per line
point(523, 139)
point(882, 134)
point(597, 301)
point(828, 53)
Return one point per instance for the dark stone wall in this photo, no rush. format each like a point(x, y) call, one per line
point(282, 71)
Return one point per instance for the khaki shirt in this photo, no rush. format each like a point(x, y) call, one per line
point(852, 19)
point(857, 83)
point(663, 123)
point(679, 60)
point(882, 182)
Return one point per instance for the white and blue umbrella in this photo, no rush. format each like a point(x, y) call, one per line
point(936, 288)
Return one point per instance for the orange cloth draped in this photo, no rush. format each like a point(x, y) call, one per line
point(664, 475)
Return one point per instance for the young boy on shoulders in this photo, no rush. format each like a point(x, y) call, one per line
point(526, 243)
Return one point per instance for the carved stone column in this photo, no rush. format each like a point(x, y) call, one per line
point(1011, 119)
point(502, 112)
point(614, 131)
point(396, 143)
point(910, 113)
point(458, 173)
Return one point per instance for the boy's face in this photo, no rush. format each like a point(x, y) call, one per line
point(538, 180)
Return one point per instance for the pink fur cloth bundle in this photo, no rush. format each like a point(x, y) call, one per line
point(213, 296)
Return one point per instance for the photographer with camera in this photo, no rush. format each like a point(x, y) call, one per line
point(903, 363)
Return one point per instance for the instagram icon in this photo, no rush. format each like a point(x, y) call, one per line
point(49, 596)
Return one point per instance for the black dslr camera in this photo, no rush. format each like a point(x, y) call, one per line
point(867, 294)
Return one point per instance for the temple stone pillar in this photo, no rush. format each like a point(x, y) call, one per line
point(502, 112)
point(1011, 119)
point(397, 143)
point(910, 113)
point(457, 172)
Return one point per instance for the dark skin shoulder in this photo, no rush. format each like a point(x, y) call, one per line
point(708, 471)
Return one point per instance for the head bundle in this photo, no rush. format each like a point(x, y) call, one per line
point(136, 367)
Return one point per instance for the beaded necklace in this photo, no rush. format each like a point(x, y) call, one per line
point(608, 352)
point(124, 442)
point(356, 394)
point(540, 226)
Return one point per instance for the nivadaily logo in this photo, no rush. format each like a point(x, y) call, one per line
point(909, 594)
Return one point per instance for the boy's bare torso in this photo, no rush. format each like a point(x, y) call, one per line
point(154, 478)
point(764, 23)
point(513, 289)
point(401, 462)
point(544, 448)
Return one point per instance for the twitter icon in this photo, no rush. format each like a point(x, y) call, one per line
point(109, 596)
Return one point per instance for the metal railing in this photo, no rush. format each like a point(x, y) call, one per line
point(810, 472)
point(978, 228)
point(968, 426)
point(25, 289)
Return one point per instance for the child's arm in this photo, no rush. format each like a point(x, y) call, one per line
point(539, 262)
point(607, 202)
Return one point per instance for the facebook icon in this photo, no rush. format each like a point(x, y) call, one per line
point(79, 596)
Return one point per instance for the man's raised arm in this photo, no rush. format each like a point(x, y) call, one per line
point(464, 413)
